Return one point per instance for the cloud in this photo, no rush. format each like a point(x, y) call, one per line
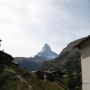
point(25, 25)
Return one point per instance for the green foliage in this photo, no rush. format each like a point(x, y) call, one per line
point(72, 81)
point(10, 81)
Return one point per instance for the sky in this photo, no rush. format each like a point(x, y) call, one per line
point(26, 25)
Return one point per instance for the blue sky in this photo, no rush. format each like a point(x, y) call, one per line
point(26, 25)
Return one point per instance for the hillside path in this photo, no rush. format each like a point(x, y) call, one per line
point(22, 80)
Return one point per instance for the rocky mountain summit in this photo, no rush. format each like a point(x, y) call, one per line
point(33, 63)
point(47, 53)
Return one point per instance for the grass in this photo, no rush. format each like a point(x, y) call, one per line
point(51, 86)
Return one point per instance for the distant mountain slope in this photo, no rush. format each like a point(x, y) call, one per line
point(33, 63)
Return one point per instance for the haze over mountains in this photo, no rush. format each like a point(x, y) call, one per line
point(33, 63)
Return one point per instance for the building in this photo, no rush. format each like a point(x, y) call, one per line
point(84, 47)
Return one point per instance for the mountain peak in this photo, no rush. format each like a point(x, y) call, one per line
point(47, 53)
point(46, 47)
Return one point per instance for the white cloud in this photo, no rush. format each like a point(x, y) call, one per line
point(25, 25)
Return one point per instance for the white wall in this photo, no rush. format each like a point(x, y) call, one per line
point(86, 87)
point(85, 62)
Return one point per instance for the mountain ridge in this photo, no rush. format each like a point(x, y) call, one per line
point(33, 63)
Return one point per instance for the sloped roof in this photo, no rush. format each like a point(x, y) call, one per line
point(82, 41)
point(6, 56)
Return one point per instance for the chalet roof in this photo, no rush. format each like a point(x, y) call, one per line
point(82, 41)
point(6, 56)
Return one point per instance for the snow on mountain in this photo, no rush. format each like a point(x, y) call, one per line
point(47, 53)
